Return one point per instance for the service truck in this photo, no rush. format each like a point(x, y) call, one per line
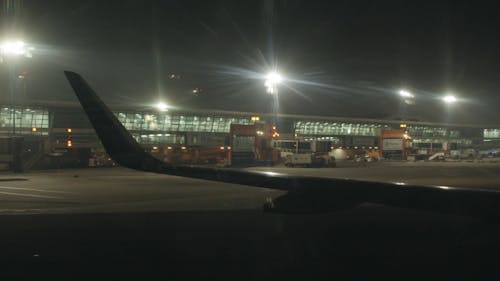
point(309, 160)
point(311, 154)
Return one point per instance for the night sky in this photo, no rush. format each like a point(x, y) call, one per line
point(340, 58)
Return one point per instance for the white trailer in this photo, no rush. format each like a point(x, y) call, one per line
point(309, 160)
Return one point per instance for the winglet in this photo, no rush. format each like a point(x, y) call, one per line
point(117, 141)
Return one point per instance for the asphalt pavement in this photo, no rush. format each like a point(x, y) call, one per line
point(123, 190)
point(456, 174)
point(120, 190)
point(116, 223)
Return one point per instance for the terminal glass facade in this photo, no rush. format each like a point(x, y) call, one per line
point(423, 142)
point(432, 132)
point(491, 133)
point(336, 129)
point(179, 123)
point(175, 127)
point(25, 118)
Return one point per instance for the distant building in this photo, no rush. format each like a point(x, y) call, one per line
point(43, 127)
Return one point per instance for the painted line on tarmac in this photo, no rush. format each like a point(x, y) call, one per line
point(13, 179)
point(35, 189)
point(30, 195)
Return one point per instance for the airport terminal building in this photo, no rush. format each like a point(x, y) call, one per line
point(45, 129)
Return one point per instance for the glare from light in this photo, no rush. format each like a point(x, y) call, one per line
point(274, 77)
point(161, 106)
point(272, 80)
point(449, 99)
point(270, 89)
point(406, 94)
point(16, 48)
point(271, 173)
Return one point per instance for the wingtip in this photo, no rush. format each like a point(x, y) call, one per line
point(71, 74)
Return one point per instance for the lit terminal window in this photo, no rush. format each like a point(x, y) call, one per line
point(27, 118)
point(336, 128)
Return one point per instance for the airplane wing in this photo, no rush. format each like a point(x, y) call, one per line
point(305, 194)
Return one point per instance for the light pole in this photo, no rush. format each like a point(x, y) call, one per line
point(22, 77)
point(10, 49)
point(407, 98)
point(273, 79)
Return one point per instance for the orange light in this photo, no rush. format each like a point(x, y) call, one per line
point(221, 148)
point(33, 129)
point(169, 148)
point(183, 148)
point(69, 143)
point(69, 130)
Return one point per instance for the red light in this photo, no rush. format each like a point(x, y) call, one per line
point(24, 72)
